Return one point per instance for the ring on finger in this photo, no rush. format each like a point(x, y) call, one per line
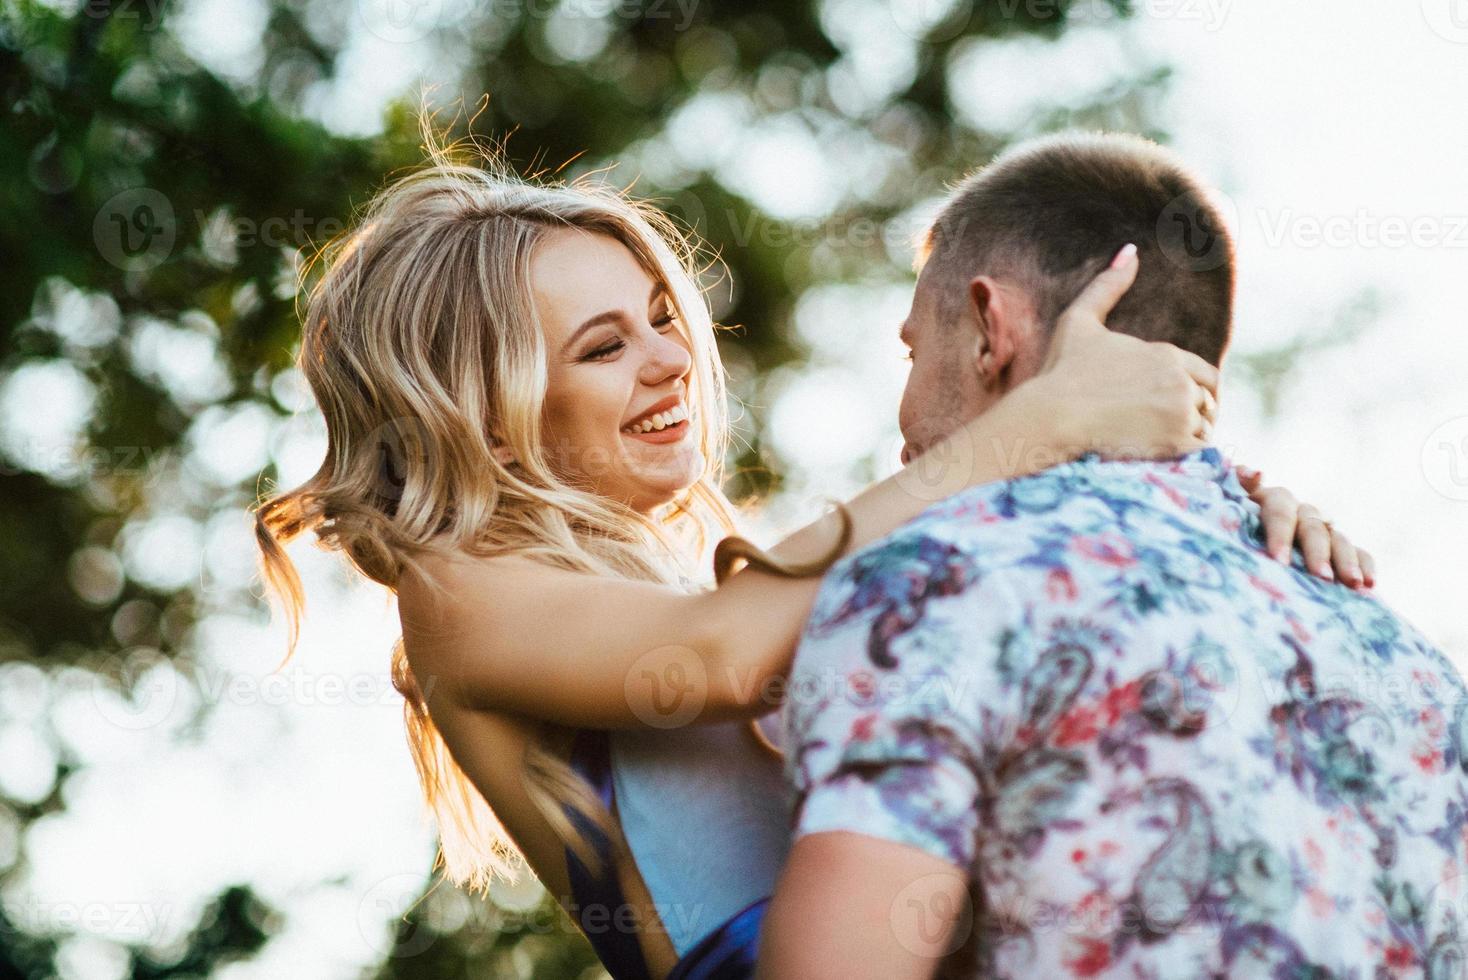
point(1321, 518)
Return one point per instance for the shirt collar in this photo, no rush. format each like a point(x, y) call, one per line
point(1207, 464)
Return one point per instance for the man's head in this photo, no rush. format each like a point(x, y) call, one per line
point(1017, 242)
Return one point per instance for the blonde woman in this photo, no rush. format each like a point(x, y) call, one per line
point(526, 419)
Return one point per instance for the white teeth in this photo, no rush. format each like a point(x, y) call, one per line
point(661, 420)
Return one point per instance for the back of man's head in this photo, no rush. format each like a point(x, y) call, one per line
point(1050, 213)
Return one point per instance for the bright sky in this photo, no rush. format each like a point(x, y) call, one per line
point(1337, 129)
point(1329, 124)
point(1336, 133)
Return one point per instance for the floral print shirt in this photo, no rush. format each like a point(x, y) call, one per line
point(1157, 751)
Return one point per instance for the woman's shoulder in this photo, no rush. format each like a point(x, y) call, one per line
point(502, 594)
point(449, 575)
point(519, 635)
point(447, 592)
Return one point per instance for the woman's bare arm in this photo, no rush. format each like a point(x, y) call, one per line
point(512, 635)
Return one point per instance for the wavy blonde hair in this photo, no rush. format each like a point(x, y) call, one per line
point(421, 344)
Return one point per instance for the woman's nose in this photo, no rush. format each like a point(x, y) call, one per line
point(667, 357)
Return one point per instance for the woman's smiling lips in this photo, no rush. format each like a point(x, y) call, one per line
point(670, 414)
point(672, 433)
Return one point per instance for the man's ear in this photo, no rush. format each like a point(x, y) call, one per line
point(994, 315)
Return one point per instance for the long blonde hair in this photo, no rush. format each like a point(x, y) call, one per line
point(421, 345)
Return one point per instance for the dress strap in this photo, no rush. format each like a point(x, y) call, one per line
point(729, 952)
point(599, 898)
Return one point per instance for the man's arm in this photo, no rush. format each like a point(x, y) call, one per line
point(884, 754)
point(850, 906)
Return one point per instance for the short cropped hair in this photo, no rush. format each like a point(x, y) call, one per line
point(1051, 212)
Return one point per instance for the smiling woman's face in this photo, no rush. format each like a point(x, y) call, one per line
point(618, 365)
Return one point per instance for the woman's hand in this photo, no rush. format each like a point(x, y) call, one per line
point(1119, 395)
point(1328, 553)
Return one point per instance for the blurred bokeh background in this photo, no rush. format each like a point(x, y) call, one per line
point(171, 805)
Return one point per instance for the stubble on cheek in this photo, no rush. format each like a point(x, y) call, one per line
point(942, 406)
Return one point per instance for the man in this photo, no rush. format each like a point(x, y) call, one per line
point(1079, 723)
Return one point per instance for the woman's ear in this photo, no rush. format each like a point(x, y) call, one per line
point(503, 454)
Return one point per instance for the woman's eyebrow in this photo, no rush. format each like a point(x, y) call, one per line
point(610, 316)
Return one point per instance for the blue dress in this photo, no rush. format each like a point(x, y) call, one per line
point(727, 952)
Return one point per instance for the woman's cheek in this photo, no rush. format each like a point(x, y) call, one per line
point(605, 408)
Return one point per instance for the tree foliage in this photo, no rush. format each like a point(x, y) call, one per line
point(155, 212)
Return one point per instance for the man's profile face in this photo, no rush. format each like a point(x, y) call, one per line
point(943, 388)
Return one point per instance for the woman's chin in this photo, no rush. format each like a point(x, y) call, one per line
point(659, 485)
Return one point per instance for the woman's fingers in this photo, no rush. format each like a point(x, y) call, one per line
point(1368, 567)
point(1279, 512)
point(1328, 553)
point(1102, 293)
point(1209, 405)
point(1085, 317)
point(1152, 398)
point(1207, 411)
point(1205, 374)
point(1346, 559)
point(1203, 429)
point(1314, 538)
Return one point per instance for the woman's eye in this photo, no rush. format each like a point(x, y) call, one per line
point(605, 350)
point(665, 320)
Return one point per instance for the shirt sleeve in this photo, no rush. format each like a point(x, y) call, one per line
point(889, 751)
point(924, 796)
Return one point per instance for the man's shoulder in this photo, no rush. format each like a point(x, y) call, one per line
point(1081, 497)
point(969, 548)
point(1066, 529)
